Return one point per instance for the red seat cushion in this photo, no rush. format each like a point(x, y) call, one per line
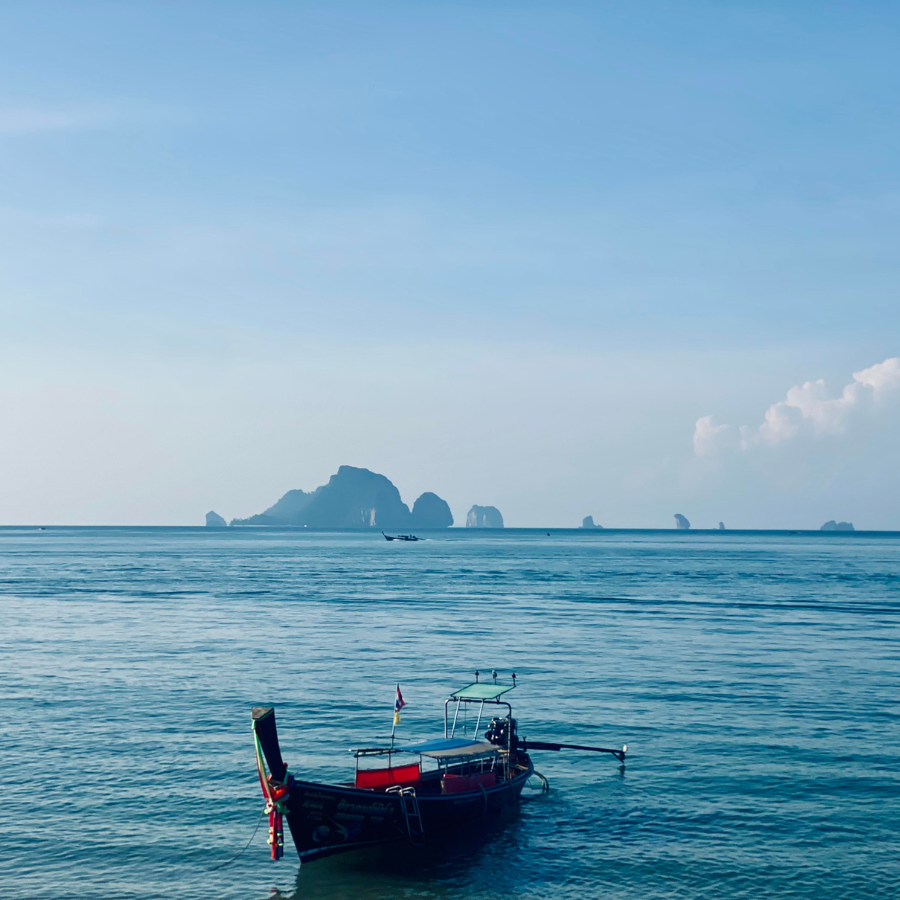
point(463, 784)
point(382, 778)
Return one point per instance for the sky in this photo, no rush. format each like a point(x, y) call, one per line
point(625, 260)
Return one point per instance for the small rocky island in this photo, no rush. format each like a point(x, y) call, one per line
point(681, 522)
point(831, 525)
point(429, 511)
point(354, 498)
point(484, 517)
point(214, 520)
point(588, 522)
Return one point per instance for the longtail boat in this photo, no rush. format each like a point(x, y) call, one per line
point(425, 789)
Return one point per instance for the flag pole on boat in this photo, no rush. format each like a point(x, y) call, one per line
point(399, 703)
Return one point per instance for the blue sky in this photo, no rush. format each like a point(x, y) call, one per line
point(508, 252)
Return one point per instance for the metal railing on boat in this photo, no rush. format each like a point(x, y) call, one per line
point(409, 807)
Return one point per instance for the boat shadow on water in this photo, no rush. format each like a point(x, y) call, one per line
point(433, 871)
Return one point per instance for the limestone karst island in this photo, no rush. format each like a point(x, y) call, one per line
point(359, 498)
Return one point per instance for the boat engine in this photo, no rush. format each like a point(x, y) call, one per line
point(502, 733)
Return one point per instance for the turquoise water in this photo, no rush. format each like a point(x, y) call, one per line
point(755, 678)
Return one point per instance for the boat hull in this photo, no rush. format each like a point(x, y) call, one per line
point(325, 819)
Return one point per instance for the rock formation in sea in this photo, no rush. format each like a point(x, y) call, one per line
point(287, 511)
point(429, 511)
point(831, 525)
point(588, 522)
point(214, 520)
point(484, 517)
point(353, 498)
point(681, 522)
point(721, 526)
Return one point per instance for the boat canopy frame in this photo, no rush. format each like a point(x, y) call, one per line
point(482, 693)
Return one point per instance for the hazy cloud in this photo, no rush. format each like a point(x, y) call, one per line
point(806, 408)
point(28, 121)
point(20, 121)
point(13, 218)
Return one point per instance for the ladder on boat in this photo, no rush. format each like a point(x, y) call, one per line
point(409, 807)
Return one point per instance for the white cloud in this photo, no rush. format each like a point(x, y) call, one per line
point(806, 408)
point(881, 375)
point(709, 438)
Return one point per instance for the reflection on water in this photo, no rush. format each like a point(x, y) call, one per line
point(436, 871)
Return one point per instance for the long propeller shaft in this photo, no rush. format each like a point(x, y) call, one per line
point(544, 745)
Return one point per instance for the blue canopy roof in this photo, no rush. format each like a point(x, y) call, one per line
point(438, 744)
point(452, 748)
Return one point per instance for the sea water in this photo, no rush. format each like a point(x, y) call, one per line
point(755, 678)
